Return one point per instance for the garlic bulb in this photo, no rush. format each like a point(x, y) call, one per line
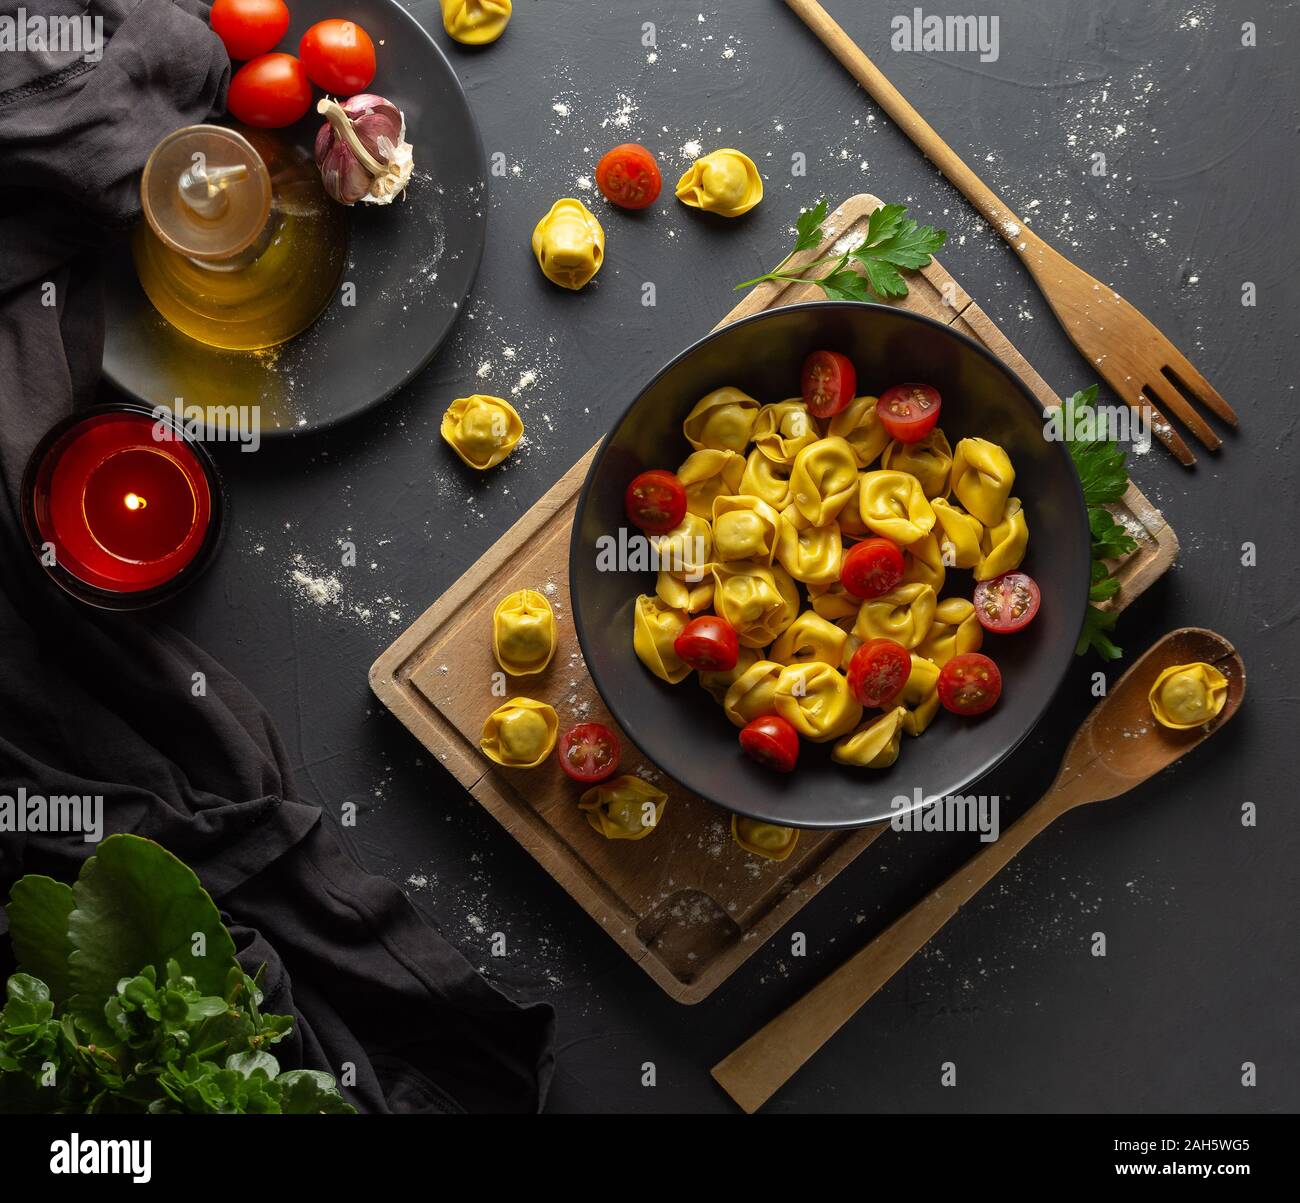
point(362, 150)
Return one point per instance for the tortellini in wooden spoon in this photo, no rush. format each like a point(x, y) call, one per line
point(482, 430)
point(569, 244)
point(1188, 695)
point(725, 182)
point(475, 22)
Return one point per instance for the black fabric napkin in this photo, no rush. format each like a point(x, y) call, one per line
point(100, 704)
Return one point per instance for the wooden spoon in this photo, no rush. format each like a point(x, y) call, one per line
point(1119, 746)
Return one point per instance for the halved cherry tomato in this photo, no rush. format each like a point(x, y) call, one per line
point(709, 644)
point(969, 684)
point(629, 176)
point(829, 380)
point(772, 741)
point(270, 92)
point(871, 568)
point(909, 411)
point(656, 501)
point(339, 56)
point(1007, 603)
point(878, 671)
point(248, 28)
point(589, 752)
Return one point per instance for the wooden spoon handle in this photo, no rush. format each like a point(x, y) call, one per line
point(768, 1059)
point(989, 204)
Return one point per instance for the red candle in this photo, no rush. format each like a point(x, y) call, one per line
point(121, 504)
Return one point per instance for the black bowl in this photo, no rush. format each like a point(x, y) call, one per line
point(681, 728)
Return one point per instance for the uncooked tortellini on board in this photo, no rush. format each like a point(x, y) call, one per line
point(724, 182)
point(520, 734)
point(523, 633)
point(475, 22)
point(626, 808)
point(569, 244)
point(764, 839)
point(482, 430)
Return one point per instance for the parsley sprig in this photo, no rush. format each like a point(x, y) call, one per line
point(1100, 463)
point(894, 243)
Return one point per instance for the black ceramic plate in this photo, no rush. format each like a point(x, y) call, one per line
point(681, 727)
point(413, 262)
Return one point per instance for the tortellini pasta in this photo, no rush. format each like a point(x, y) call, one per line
point(824, 475)
point(523, 633)
point(569, 244)
point(687, 549)
point(765, 479)
point(626, 808)
point(482, 430)
point(475, 22)
point(759, 600)
point(718, 681)
point(920, 696)
point(784, 429)
point(721, 420)
point(928, 459)
point(753, 693)
point(894, 507)
point(904, 615)
point(833, 601)
point(875, 745)
point(520, 734)
point(923, 563)
point(1188, 695)
point(655, 630)
point(1003, 545)
point(982, 477)
point(850, 517)
point(860, 426)
point(955, 630)
point(959, 534)
point(707, 474)
point(724, 182)
point(680, 594)
point(810, 637)
point(745, 528)
point(812, 555)
point(814, 699)
point(764, 839)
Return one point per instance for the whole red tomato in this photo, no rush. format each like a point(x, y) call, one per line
point(269, 92)
point(248, 28)
point(339, 56)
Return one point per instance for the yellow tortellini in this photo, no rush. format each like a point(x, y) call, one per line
point(759, 600)
point(764, 839)
point(679, 593)
point(920, 696)
point(1188, 695)
point(784, 429)
point(904, 615)
point(482, 430)
point(894, 507)
point(724, 182)
point(810, 637)
point(814, 699)
point(833, 601)
point(523, 633)
point(982, 476)
point(569, 244)
point(708, 474)
point(765, 479)
point(475, 22)
point(822, 480)
point(721, 420)
point(959, 534)
point(860, 426)
point(687, 549)
point(718, 681)
point(928, 459)
point(655, 630)
point(1003, 545)
point(923, 563)
point(745, 528)
point(875, 745)
point(520, 734)
point(753, 693)
point(812, 555)
point(850, 517)
point(955, 630)
point(625, 808)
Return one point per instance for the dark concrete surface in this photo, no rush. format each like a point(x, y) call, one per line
point(1199, 912)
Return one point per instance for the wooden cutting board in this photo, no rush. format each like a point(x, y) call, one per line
point(686, 903)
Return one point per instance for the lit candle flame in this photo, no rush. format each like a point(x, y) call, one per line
point(133, 501)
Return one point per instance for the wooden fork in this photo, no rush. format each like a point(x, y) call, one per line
point(1139, 363)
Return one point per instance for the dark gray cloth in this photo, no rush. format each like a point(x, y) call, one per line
point(95, 703)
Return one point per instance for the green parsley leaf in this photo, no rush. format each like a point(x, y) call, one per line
point(808, 227)
point(1110, 540)
point(846, 285)
point(1099, 462)
point(1096, 624)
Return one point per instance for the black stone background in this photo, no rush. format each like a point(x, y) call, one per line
point(1199, 912)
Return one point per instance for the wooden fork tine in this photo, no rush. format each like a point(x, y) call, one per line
point(1160, 425)
point(1198, 386)
point(1174, 402)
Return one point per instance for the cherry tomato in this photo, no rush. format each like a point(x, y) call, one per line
point(1007, 603)
point(709, 644)
point(829, 380)
point(909, 411)
point(772, 741)
point(628, 176)
point(656, 501)
point(871, 568)
point(339, 56)
point(589, 752)
point(269, 92)
point(248, 28)
point(878, 671)
point(969, 684)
